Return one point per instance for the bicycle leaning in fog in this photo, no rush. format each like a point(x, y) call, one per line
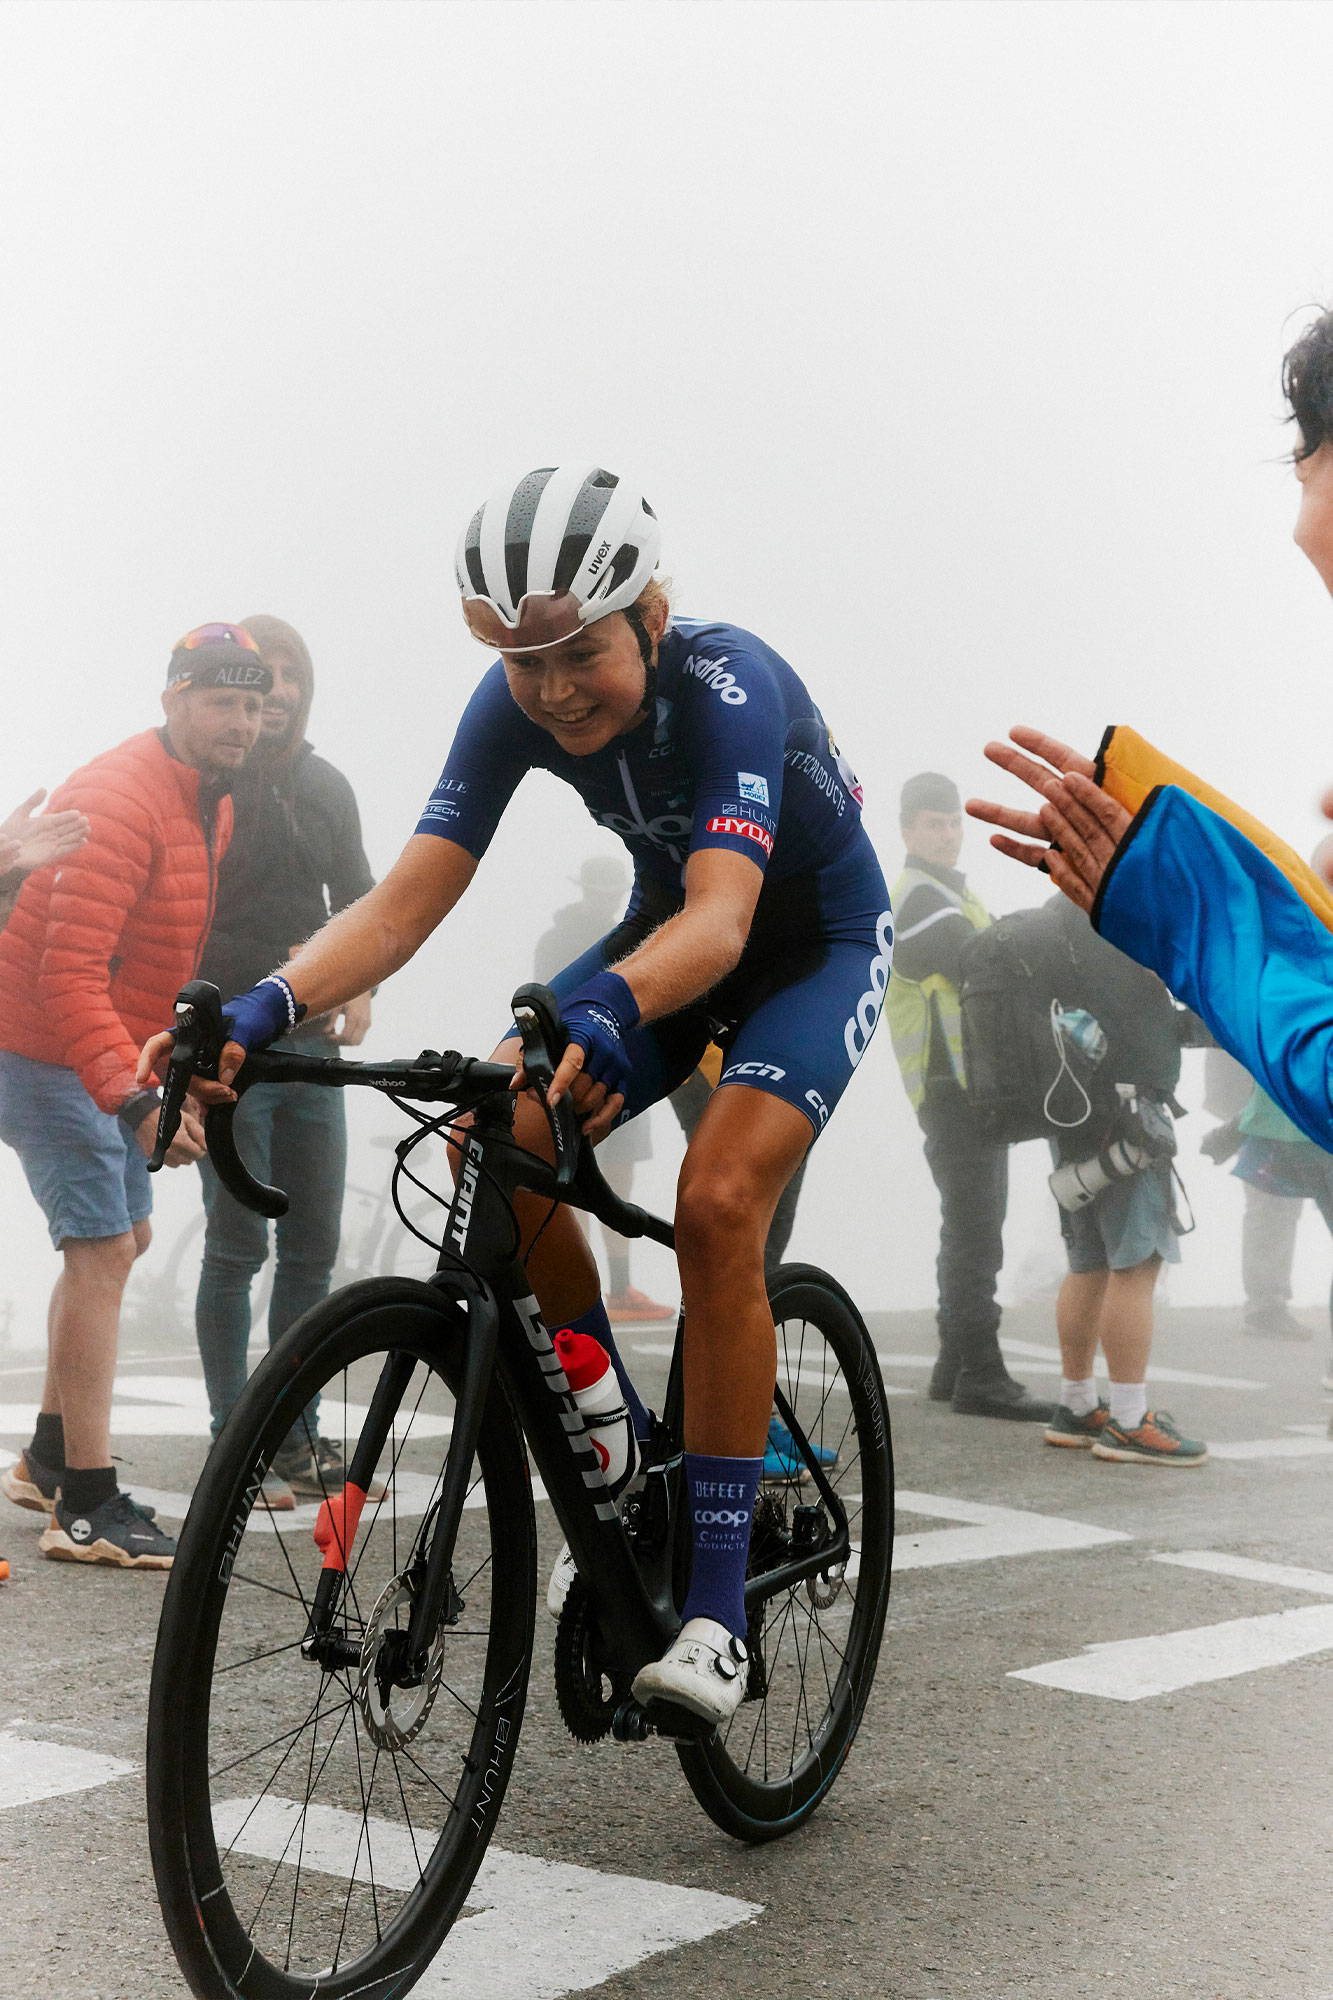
point(337, 1696)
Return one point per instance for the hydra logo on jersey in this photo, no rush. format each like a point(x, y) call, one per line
point(742, 829)
point(861, 1025)
point(713, 674)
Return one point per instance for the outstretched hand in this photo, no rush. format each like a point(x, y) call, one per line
point(29, 839)
point(1077, 827)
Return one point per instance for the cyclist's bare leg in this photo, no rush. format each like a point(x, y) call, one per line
point(560, 1263)
point(744, 1151)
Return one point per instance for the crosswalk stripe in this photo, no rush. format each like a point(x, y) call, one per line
point(989, 1532)
point(31, 1769)
point(538, 1929)
point(813, 1378)
point(1043, 1359)
point(1219, 1563)
point(1138, 1669)
point(1283, 1447)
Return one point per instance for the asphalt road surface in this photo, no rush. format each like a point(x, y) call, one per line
point(1097, 1757)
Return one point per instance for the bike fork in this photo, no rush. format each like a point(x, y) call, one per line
point(339, 1517)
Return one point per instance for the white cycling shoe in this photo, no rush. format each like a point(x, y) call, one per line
point(705, 1669)
point(557, 1590)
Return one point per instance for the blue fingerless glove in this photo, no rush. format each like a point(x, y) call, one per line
point(599, 1017)
point(256, 1018)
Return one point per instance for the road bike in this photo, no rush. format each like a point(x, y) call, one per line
point(337, 1693)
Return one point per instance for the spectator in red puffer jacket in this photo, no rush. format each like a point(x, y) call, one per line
point(90, 963)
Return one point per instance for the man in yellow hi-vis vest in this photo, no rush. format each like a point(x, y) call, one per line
point(936, 916)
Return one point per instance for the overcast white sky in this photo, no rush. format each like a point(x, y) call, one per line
point(944, 338)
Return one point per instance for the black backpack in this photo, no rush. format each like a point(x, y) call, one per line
point(1026, 1078)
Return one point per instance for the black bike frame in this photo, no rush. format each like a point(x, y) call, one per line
point(479, 1269)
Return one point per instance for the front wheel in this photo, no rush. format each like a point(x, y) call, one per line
point(316, 1823)
point(814, 1645)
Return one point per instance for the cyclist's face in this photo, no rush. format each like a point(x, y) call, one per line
point(213, 729)
point(585, 691)
point(1314, 521)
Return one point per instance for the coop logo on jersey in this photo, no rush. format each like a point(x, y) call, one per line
point(862, 1023)
point(743, 829)
point(752, 787)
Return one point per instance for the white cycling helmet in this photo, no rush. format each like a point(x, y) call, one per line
point(549, 554)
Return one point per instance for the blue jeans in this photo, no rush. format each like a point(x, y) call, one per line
point(294, 1135)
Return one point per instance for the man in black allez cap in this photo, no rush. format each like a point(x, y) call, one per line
point(936, 916)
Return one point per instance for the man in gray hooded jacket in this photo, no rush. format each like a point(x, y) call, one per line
point(295, 859)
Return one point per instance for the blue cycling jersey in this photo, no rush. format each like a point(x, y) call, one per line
point(735, 755)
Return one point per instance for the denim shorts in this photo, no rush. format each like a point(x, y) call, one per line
point(1129, 1222)
point(86, 1170)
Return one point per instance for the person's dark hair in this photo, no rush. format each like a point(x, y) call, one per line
point(928, 791)
point(1307, 382)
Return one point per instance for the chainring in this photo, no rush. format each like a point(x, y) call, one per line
point(586, 1696)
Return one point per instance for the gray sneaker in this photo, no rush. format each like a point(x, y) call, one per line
point(317, 1472)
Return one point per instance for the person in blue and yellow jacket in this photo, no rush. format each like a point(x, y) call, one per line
point(1233, 920)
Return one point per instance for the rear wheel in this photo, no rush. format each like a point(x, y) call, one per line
point(316, 1826)
point(814, 1644)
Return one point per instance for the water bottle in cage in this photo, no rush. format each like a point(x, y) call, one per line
point(592, 1378)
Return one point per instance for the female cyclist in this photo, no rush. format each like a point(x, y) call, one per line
point(758, 917)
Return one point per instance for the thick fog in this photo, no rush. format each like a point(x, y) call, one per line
point(944, 339)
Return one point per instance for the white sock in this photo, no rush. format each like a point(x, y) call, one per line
point(1079, 1398)
point(1129, 1404)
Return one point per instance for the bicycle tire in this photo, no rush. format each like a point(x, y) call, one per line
point(765, 1773)
point(228, 1676)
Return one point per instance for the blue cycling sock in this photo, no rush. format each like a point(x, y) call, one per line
point(595, 1322)
point(721, 1494)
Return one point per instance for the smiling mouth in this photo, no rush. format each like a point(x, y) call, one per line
point(573, 721)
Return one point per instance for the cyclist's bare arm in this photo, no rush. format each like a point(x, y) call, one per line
point(363, 945)
point(691, 951)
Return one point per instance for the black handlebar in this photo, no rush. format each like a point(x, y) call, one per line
point(200, 1033)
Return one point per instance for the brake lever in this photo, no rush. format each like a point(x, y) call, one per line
point(537, 1014)
point(196, 1051)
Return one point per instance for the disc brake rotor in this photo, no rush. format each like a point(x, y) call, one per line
point(394, 1715)
point(826, 1588)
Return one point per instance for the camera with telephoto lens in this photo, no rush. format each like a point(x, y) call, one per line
point(1142, 1134)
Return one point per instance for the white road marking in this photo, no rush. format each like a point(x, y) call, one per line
point(813, 1378)
point(415, 1492)
point(991, 1532)
point(32, 1770)
point(1036, 1352)
point(1137, 1669)
point(1320, 1581)
point(177, 1406)
point(1283, 1447)
point(538, 1929)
